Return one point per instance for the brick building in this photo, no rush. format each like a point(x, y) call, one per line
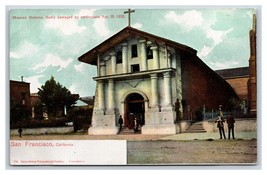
point(238, 78)
point(252, 83)
point(244, 79)
point(146, 76)
point(20, 93)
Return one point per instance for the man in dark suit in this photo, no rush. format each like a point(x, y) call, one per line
point(120, 123)
point(230, 122)
point(20, 132)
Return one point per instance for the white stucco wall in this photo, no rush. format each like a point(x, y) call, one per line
point(241, 125)
point(43, 130)
point(141, 85)
point(138, 59)
point(121, 87)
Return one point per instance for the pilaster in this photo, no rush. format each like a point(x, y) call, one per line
point(101, 96)
point(102, 69)
point(154, 91)
point(143, 55)
point(111, 102)
point(113, 62)
point(155, 56)
point(167, 89)
point(125, 57)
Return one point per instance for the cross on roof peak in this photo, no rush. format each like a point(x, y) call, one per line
point(129, 11)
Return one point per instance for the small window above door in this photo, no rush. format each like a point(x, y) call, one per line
point(135, 68)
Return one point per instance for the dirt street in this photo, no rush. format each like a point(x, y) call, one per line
point(193, 152)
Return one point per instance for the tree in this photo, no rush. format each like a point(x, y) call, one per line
point(234, 104)
point(54, 96)
point(38, 110)
point(17, 112)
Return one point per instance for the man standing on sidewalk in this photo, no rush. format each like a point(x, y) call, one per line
point(220, 126)
point(230, 122)
point(20, 132)
point(120, 123)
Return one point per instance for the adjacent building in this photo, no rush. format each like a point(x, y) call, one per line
point(244, 79)
point(238, 78)
point(252, 83)
point(20, 93)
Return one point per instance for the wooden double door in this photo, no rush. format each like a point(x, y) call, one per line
point(134, 108)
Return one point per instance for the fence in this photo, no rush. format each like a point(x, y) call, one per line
point(213, 114)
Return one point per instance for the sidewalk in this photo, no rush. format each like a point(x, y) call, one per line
point(137, 137)
point(213, 135)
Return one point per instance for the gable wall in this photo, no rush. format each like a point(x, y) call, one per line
point(134, 60)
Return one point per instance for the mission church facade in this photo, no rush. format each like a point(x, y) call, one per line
point(154, 78)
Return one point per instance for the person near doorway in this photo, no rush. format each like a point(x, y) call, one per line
point(177, 108)
point(120, 121)
point(220, 126)
point(130, 121)
point(136, 123)
point(230, 122)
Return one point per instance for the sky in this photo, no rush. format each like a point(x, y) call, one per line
point(48, 42)
point(16, 63)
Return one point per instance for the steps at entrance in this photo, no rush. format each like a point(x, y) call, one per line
point(127, 131)
point(195, 128)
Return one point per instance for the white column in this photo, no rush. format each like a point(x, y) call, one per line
point(111, 105)
point(175, 60)
point(167, 88)
point(143, 55)
point(101, 95)
point(98, 65)
point(154, 90)
point(155, 56)
point(122, 111)
point(113, 62)
point(102, 69)
point(125, 57)
point(169, 63)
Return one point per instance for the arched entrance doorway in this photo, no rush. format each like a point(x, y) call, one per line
point(134, 108)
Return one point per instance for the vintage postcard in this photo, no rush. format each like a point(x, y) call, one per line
point(133, 86)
